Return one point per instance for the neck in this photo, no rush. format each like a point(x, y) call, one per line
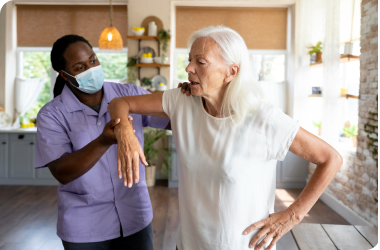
point(213, 102)
point(88, 99)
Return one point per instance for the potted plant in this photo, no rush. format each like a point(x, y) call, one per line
point(352, 132)
point(317, 50)
point(163, 39)
point(131, 69)
point(150, 137)
point(146, 83)
point(318, 125)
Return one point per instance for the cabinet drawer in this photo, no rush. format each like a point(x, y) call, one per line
point(21, 155)
point(3, 155)
point(26, 137)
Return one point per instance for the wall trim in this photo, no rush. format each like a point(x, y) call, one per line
point(284, 4)
point(71, 2)
point(347, 213)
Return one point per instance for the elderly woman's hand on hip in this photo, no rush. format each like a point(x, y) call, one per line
point(273, 227)
point(129, 153)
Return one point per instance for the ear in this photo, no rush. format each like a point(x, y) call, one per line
point(232, 72)
point(63, 75)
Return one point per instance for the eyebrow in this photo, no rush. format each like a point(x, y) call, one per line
point(82, 61)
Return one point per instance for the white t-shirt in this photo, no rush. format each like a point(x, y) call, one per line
point(227, 174)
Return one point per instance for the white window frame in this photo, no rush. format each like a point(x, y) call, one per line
point(53, 73)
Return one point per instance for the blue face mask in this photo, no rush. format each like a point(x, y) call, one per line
point(90, 81)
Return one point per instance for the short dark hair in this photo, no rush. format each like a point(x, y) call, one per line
point(58, 61)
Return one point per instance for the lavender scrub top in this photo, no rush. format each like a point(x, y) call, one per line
point(92, 207)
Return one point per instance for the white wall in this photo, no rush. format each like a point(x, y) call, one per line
point(2, 55)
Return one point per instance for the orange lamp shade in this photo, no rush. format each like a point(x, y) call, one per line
point(110, 39)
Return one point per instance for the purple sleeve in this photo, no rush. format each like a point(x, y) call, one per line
point(151, 121)
point(52, 140)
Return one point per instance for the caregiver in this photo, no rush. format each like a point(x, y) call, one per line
point(75, 140)
point(228, 144)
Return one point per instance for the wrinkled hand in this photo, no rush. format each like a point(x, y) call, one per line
point(129, 154)
point(273, 227)
point(185, 88)
point(108, 136)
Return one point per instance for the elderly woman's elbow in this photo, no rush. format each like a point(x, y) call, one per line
point(337, 159)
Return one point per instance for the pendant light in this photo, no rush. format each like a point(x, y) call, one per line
point(110, 39)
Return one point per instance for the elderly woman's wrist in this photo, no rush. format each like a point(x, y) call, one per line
point(296, 213)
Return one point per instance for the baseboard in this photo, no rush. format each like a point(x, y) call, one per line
point(347, 213)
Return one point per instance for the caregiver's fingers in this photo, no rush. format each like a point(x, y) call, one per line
point(136, 164)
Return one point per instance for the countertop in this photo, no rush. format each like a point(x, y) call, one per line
point(18, 130)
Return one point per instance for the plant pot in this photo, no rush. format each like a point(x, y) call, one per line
point(354, 141)
point(150, 175)
point(318, 57)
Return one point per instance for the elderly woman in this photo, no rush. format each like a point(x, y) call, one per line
point(228, 143)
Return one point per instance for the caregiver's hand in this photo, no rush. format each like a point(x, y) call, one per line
point(273, 227)
point(129, 153)
point(185, 88)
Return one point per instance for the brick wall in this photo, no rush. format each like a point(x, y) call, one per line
point(355, 183)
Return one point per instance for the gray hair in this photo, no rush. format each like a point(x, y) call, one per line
point(243, 93)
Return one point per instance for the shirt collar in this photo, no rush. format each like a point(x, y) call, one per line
point(72, 103)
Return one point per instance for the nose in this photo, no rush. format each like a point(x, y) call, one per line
point(190, 68)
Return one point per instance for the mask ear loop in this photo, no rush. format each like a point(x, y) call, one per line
point(70, 81)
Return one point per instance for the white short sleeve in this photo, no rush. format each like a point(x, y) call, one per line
point(280, 132)
point(169, 101)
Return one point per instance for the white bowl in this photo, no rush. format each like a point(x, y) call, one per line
point(146, 60)
point(159, 60)
point(138, 33)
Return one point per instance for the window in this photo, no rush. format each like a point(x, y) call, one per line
point(34, 62)
point(114, 64)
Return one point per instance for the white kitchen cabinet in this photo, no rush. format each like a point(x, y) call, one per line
point(21, 156)
point(173, 173)
point(17, 155)
point(292, 172)
point(3, 155)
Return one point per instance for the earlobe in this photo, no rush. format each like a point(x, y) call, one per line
point(63, 75)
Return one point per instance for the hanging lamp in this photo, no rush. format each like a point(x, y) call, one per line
point(110, 38)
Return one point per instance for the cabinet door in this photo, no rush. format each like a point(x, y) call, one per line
point(21, 156)
point(44, 173)
point(3, 155)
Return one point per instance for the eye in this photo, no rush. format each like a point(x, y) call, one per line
point(201, 63)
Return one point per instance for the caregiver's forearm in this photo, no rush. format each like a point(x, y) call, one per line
point(72, 166)
point(317, 184)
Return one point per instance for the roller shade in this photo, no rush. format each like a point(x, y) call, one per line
point(261, 28)
point(42, 25)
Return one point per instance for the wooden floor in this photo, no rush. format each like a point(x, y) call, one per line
point(28, 216)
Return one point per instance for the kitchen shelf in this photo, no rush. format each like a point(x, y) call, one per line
point(143, 37)
point(148, 65)
point(343, 59)
point(342, 96)
point(151, 65)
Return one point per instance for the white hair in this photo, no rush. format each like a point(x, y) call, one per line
point(243, 93)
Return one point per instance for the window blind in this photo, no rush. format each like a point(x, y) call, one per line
point(261, 28)
point(42, 25)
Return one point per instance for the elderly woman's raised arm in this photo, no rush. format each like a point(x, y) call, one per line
point(129, 151)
